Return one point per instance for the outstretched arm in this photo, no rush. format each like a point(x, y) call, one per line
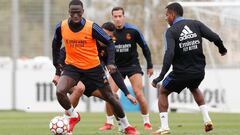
point(168, 57)
point(212, 37)
point(103, 37)
point(117, 78)
point(146, 52)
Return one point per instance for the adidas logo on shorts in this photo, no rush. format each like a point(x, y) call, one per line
point(186, 34)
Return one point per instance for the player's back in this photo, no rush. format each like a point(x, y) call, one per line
point(189, 58)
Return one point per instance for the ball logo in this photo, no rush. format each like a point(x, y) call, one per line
point(128, 36)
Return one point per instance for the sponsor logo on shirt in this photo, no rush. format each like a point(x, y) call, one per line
point(186, 34)
point(122, 48)
point(76, 43)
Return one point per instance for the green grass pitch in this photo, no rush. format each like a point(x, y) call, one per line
point(22, 123)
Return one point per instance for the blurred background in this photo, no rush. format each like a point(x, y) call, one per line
point(27, 30)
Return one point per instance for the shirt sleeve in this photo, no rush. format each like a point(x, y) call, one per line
point(56, 44)
point(103, 37)
point(145, 49)
point(169, 53)
point(210, 35)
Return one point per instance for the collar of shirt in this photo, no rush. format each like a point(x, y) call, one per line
point(81, 23)
point(177, 19)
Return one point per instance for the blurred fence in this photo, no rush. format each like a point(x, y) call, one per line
point(37, 20)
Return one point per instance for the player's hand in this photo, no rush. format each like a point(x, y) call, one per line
point(150, 72)
point(56, 79)
point(156, 81)
point(111, 68)
point(132, 99)
point(222, 51)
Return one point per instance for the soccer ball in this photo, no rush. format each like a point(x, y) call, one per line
point(58, 125)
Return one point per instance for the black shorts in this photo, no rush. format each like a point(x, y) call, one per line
point(130, 70)
point(93, 78)
point(175, 83)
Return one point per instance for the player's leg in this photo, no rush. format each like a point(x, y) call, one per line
point(98, 78)
point(64, 85)
point(108, 96)
point(163, 109)
point(169, 84)
point(108, 125)
point(199, 98)
point(72, 76)
point(136, 82)
point(76, 93)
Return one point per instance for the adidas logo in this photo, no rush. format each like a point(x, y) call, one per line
point(186, 34)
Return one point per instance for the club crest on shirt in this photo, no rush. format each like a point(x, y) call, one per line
point(114, 38)
point(128, 36)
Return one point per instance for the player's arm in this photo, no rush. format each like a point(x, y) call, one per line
point(61, 62)
point(103, 37)
point(56, 45)
point(168, 57)
point(145, 49)
point(212, 37)
point(117, 78)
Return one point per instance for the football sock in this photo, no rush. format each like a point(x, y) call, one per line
point(72, 112)
point(146, 118)
point(124, 122)
point(164, 120)
point(110, 119)
point(119, 126)
point(204, 111)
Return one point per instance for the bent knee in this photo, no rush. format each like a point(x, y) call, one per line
point(116, 96)
point(163, 91)
point(80, 86)
point(139, 94)
point(60, 92)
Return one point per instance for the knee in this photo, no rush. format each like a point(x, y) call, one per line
point(116, 96)
point(60, 93)
point(163, 92)
point(110, 98)
point(139, 94)
point(61, 90)
point(80, 87)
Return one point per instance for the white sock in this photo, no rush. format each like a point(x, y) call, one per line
point(110, 119)
point(204, 111)
point(164, 120)
point(72, 112)
point(124, 122)
point(120, 129)
point(146, 118)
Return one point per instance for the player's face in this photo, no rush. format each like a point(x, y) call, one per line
point(75, 12)
point(118, 18)
point(170, 16)
point(110, 33)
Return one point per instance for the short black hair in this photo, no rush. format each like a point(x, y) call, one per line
point(176, 7)
point(109, 26)
point(118, 8)
point(75, 2)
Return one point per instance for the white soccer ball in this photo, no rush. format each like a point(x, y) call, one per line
point(58, 125)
